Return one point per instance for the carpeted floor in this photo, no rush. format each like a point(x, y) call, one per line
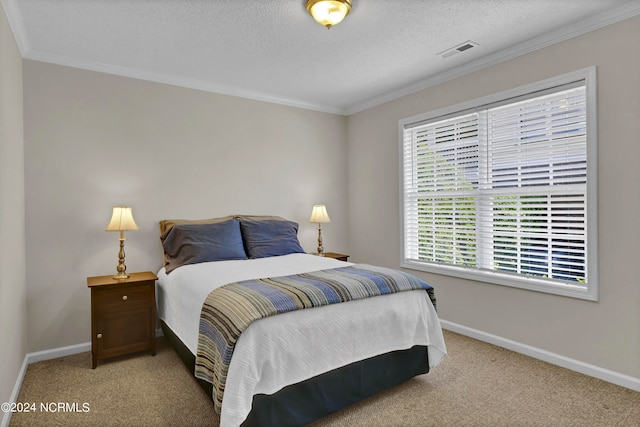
point(476, 385)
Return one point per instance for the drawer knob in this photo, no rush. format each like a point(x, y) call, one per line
point(124, 297)
point(99, 336)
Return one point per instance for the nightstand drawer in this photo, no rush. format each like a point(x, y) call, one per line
point(125, 297)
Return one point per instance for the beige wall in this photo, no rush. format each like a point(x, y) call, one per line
point(13, 321)
point(605, 334)
point(94, 140)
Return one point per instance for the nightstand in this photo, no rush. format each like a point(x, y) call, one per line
point(123, 315)
point(340, 257)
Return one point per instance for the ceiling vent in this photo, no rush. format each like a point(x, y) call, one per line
point(457, 49)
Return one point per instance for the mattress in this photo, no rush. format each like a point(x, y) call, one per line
point(292, 347)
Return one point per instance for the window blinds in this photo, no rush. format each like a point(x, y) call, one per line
point(502, 188)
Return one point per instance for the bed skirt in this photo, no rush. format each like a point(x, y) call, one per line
point(309, 400)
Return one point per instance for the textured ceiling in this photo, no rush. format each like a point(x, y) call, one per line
point(273, 50)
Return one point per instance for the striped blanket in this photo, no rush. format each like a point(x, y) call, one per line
point(230, 309)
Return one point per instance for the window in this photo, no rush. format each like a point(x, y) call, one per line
point(503, 189)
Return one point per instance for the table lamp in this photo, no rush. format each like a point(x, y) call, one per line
point(121, 220)
point(319, 215)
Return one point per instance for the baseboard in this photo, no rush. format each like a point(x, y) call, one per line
point(40, 356)
point(14, 394)
point(55, 353)
point(553, 358)
point(613, 377)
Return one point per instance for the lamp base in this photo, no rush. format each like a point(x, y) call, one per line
point(121, 268)
point(320, 248)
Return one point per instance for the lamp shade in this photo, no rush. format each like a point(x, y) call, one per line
point(122, 219)
point(319, 214)
point(328, 12)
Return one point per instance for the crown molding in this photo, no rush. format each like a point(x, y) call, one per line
point(173, 80)
point(12, 11)
point(612, 16)
point(16, 23)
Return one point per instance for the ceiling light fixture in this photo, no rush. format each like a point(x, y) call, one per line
point(328, 12)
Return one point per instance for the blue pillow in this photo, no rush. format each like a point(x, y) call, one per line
point(270, 238)
point(194, 243)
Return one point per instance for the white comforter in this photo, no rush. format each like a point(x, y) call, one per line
point(288, 348)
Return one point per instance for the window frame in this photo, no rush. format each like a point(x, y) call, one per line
point(588, 292)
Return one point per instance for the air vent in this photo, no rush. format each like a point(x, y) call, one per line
point(457, 49)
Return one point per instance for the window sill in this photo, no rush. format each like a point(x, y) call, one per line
point(589, 293)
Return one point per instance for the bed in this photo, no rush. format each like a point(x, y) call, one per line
point(300, 365)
